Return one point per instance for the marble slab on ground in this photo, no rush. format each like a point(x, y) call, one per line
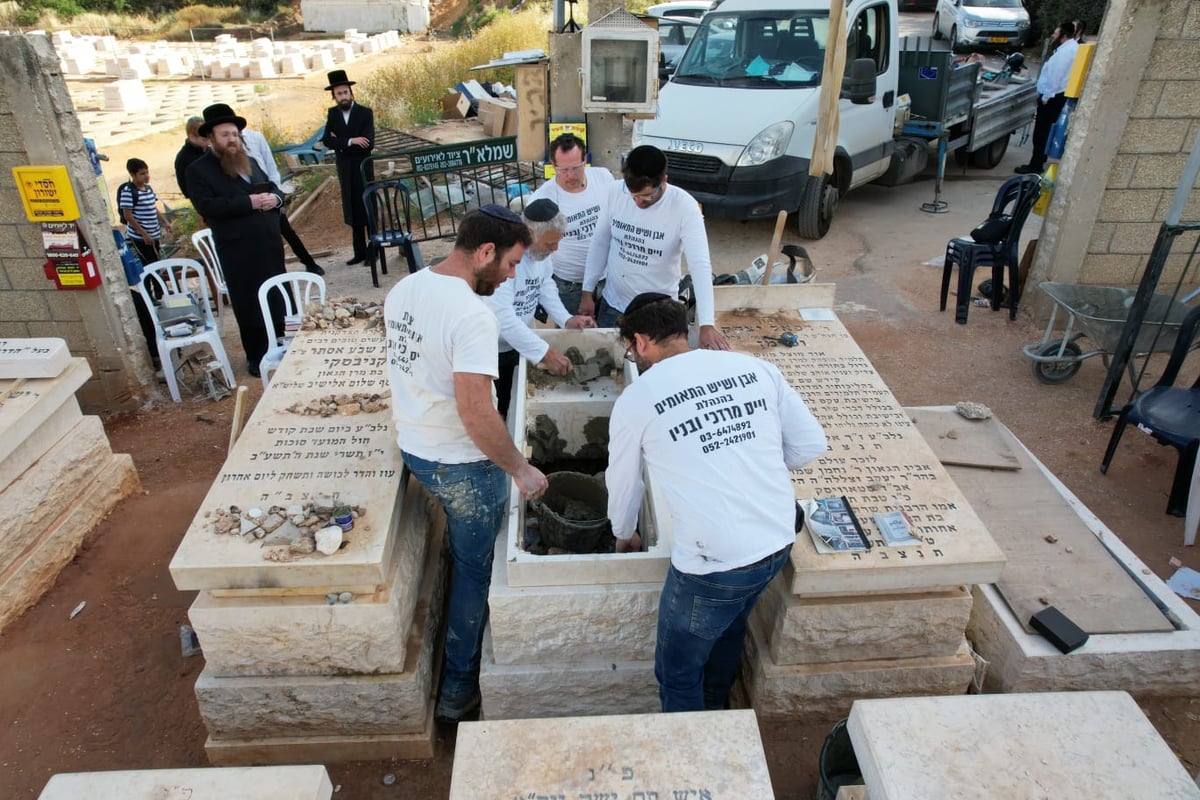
point(269, 633)
point(826, 691)
point(545, 624)
point(877, 457)
point(245, 783)
point(284, 458)
point(33, 358)
point(710, 754)
point(31, 403)
point(832, 629)
point(1084, 745)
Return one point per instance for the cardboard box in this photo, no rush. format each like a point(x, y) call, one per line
point(510, 116)
point(455, 105)
point(493, 114)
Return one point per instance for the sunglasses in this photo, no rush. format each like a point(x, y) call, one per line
point(648, 198)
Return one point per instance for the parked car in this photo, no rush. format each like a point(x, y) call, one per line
point(692, 9)
point(982, 24)
point(674, 33)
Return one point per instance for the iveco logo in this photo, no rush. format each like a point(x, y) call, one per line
point(685, 146)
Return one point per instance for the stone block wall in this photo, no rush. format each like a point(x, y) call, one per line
point(38, 126)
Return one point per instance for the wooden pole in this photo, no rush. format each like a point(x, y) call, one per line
point(773, 254)
point(239, 413)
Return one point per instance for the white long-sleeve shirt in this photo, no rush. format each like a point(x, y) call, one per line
point(638, 249)
point(515, 301)
point(259, 149)
point(1052, 79)
point(719, 432)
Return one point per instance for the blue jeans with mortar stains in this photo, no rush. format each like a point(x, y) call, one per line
point(701, 631)
point(474, 496)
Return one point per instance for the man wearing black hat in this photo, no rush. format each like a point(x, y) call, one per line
point(241, 205)
point(441, 361)
point(723, 458)
point(516, 300)
point(350, 133)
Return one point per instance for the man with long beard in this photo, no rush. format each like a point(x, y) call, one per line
point(441, 361)
point(241, 206)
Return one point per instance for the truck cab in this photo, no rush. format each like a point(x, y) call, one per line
point(738, 118)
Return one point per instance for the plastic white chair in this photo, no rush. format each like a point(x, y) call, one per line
point(172, 276)
point(297, 290)
point(202, 240)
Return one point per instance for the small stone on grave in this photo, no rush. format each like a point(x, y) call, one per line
point(329, 539)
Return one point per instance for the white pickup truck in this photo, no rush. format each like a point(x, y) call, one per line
point(737, 118)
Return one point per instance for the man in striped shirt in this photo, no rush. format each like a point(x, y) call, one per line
point(144, 223)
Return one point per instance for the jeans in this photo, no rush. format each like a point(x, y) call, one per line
point(701, 631)
point(569, 292)
point(606, 315)
point(474, 496)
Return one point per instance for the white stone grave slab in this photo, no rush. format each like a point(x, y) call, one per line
point(245, 783)
point(262, 67)
point(1069, 746)
point(283, 458)
point(40, 439)
point(711, 754)
point(126, 95)
point(33, 402)
point(292, 64)
point(876, 458)
point(573, 408)
point(320, 60)
point(33, 358)
point(237, 70)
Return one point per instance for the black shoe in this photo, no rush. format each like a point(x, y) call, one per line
point(253, 370)
point(315, 269)
point(356, 260)
point(1028, 169)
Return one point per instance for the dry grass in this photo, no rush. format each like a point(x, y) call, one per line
point(175, 25)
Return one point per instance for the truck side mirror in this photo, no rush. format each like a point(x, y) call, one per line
point(859, 86)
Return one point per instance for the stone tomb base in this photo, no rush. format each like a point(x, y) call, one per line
point(826, 691)
point(310, 782)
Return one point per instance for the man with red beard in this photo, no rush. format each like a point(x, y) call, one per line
point(441, 363)
point(241, 206)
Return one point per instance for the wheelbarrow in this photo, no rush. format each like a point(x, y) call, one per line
point(1098, 313)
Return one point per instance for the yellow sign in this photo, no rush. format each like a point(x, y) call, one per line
point(46, 194)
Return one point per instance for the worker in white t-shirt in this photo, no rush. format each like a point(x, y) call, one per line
point(516, 300)
point(641, 234)
point(441, 361)
point(580, 192)
point(718, 433)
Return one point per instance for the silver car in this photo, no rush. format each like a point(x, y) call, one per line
point(982, 24)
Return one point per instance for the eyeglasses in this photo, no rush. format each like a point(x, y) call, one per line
point(629, 356)
point(648, 198)
point(567, 170)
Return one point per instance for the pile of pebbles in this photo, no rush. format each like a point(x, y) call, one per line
point(285, 533)
point(347, 405)
point(341, 313)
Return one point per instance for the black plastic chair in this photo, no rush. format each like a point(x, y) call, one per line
point(1020, 193)
point(1170, 414)
point(388, 205)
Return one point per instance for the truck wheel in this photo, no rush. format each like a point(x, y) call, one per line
point(990, 154)
point(955, 45)
point(817, 206)
point(937, 29)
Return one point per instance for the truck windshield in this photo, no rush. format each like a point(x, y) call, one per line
point(768, 49)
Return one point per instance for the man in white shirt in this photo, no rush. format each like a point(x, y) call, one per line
point(580, 192)
point(718, 433)
point(1051, 86)
point(641, 234)
point(516, 300)
point(259, 149)
point(441, 361)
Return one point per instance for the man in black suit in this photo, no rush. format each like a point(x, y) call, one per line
point(241, 206)
point(350, 133)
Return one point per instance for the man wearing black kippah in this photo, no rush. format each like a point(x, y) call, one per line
point(516, 300)
point(441, 361)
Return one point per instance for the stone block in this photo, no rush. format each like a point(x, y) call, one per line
point(292, 64)
point(13, 329)
point(75, 333)
point(1102, 233)
point(36, 401)
point(126, 96)
point(1191, 25)
point(1114, 269)
point(237, 71)
point(1145, 104)
point(33, 358)
point(1179, 99)
point(1134, 237)
point(713, 754)
point(268, 635)
point(566, 688)
point(1154, 136)
point(543, 624)
point(326, 749)
point(310, 782)
point(27, 275)
point(1158, 171)
point(36, 441)
point(320, 60)
point(262, 67)
point(826, 630)
point(23, 305)
point(1129, 205)
point(64, 306)
point(27, 578)
point(1172, 18)
point(1173, 60)
point(1070, 745)
point(826, 691)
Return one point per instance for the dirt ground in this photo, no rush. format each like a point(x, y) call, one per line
point(110, 690)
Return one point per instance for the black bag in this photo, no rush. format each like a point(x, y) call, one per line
point(993, 229)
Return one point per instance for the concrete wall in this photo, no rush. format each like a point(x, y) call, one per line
point(38, 126)
point(1130, 137)
point(366, 16)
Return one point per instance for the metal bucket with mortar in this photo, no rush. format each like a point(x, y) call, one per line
point(572, 513)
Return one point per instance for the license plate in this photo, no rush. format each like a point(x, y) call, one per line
point(997, 39)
